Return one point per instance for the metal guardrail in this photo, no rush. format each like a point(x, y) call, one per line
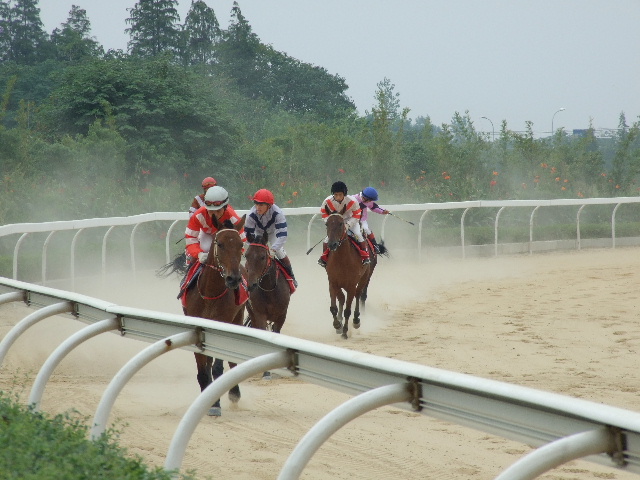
point(566, 428)
point(24, 229)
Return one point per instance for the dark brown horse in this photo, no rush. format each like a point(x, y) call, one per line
point(214, 297)
point(346, 274)
point(269, 291)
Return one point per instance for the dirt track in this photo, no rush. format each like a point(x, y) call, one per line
point(566, 322)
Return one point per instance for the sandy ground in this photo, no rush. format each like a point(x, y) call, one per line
point(566, 322)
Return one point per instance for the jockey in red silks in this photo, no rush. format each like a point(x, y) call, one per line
point(198, 201)
point(266, 216)
point(334, 203)
point(200, 229)
point(367, 199)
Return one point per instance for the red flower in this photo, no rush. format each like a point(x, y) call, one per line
point(341, 170)
point(146, 172)
point(493, 183)
point(145, 190)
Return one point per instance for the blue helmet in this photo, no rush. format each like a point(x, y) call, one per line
point(371, 193)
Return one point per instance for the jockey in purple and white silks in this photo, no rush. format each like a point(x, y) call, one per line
point(367, 199)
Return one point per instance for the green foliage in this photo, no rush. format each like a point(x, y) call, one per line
point(84, 134)
point(154, 29)
point(35, 446)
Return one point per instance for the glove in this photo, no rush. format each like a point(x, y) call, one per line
point(202, 257)
point(386, 212)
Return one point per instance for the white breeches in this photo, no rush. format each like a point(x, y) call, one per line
point(365, 227)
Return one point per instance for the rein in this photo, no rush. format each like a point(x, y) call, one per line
point(217, 266)
point(266, 269)
point(344, 229)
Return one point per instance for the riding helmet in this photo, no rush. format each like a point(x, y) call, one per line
point(264, 196)
point(371, 193)
point(209, 182)
point(339, 187)
point(216, 198)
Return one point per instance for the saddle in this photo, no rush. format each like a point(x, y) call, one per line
point(286, 275)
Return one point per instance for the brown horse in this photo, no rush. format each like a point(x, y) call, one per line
point(214, 297)
point(346, 273)
point(269, 291)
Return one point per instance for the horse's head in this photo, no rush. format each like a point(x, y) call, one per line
point(226, 253)
point(258, 260)
point(336, 230)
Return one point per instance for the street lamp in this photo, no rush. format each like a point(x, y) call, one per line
point(560, 110)
point(493, 131)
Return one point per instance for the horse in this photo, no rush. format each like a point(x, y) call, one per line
point(346, 273)
point(214, 298)
point(269, 291)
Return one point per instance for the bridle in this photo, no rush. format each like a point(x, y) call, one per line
point(217, 266)
point(265, 269)
point(344, 228)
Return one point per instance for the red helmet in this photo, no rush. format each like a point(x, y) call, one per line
point(264, 196)
point(209, 182)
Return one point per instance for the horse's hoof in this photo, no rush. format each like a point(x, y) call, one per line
point(234, 398)
point(338, 331)
point(345, 336)
point(266, 376)
point(356, 324)
point(337, 325)
point(215, 412)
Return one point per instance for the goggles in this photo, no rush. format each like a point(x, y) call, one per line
point(216, 203)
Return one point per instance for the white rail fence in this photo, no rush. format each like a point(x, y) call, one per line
point(564, 428)
point(79, 226)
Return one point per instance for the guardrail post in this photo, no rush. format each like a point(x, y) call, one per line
point(336, 419)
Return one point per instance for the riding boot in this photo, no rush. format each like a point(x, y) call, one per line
point(322, 261)
point(372, 239)
point(364, 253)
point(286, 263)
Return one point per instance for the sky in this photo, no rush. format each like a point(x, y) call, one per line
point(505, 60)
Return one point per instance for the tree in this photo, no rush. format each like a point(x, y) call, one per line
point(72, 42)
point(239, 52)
point(22, 37)
point(201, 34)
point(154, 28)
point(165, 112)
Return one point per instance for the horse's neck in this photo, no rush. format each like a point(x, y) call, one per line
point(211, 279)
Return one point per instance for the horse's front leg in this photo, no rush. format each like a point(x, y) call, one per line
point(205, 368)
point(234, 393)
point(333, 293)
point(347, 314)
point(203, 362)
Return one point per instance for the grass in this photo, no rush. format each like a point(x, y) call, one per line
point(36, 446)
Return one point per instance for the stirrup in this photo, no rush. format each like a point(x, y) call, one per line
point(295, 283)
point(322, 263)
point(366, 261)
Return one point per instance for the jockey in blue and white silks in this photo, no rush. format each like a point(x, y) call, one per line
point(266, 216)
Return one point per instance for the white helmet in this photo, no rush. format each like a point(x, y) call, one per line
point(216, 198)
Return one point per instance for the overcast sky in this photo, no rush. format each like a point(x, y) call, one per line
point(501, 59)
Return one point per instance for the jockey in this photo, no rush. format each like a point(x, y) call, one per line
point(201, 229)
point(198, 201)
point(334, 203)
point(367, 199)
point(266, 216)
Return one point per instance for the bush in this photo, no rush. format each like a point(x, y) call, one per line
point(35, 446)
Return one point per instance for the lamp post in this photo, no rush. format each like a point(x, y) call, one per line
point(559, 110)
point(493, 130)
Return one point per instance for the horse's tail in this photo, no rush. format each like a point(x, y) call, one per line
point(178, 265)
point(382, 249)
